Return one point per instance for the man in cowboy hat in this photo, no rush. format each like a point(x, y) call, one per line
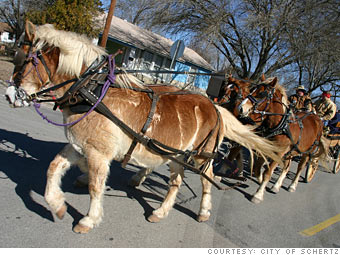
point(301, 101)
point(325, 108)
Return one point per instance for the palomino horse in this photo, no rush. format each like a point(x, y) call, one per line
point(184, 125)
point(266, 106)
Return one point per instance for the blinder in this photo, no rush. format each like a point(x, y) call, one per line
point(19, 58)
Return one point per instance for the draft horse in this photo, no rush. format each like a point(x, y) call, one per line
point(131, 122)
point(266, 106)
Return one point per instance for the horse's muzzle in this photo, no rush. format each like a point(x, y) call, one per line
point(16, 97)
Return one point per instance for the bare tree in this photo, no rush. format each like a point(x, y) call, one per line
point(316, 42)
point(12, 12)
point(256, 36)
point(136, 11)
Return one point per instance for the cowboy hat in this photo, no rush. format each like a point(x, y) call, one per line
point(301, 87)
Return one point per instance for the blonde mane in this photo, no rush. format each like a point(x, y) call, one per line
point(76, 51)
point(280, 88)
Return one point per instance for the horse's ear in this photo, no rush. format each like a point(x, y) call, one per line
point(231, 78)
point(262, 77)
point(273, 82)
point(30, 30)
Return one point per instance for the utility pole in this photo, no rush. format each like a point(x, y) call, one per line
point(108, 23)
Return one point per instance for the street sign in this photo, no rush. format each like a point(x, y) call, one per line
point(176, 51)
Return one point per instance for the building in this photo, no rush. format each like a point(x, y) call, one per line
point(6, 33)
point(145, 50)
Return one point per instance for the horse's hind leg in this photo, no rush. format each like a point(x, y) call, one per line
point(98, 166)
point(205, 206)
point(57, 168)
point(259, 160)
point(176, 177)
point(139, 177)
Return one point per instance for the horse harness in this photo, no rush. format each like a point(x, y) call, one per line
point(84, 93)
point(283, 127)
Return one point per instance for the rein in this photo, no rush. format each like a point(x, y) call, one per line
point(283, 127)
point(110, 79)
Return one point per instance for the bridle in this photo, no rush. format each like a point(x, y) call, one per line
point(267, 96)
point(227, 98)
point(21, 59)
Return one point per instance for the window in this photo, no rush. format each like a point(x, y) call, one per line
point(158, 62)
point(131, 58)
point(191, 77)
point(147, 60)
point(167, 63)
point(166, 66)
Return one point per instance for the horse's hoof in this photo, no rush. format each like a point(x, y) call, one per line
point(81, 229)
point(256, 200)
point(203, 218)
point(218, 178)
point(153, 218)
point(275, 190)
point(61, 212)
point(291, 189)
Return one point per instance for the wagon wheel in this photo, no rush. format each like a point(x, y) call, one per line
point(310, 171)
point(336, 165)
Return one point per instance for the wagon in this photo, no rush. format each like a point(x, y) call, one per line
point(334, 153)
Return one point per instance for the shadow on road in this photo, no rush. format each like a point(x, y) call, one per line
point(25, 162)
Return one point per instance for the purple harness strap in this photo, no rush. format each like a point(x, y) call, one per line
point(110, 80)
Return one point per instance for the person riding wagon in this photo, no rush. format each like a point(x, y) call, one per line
point(325, 108)
point(301, 100)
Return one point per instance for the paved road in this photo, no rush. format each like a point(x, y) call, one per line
point(28, 144)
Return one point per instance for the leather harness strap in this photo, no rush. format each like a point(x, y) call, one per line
point(155, 145)
point(133, 145)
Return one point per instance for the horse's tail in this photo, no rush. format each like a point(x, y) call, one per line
point(243, 135)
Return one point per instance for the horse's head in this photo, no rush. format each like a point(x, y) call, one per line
point(234, 92)
point(268, 97)
point(48, 56)
point(34, 67)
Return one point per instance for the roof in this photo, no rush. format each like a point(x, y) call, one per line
point(5, 27)
point(146, 40)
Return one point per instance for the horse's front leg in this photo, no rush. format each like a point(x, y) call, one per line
point(304, 159)
point(57, 168)
point(278, 184)
point(176, 177)
point(99, 167)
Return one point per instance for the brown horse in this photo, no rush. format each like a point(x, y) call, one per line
point(266, 106)
point(181, 122)
point(233, 92)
